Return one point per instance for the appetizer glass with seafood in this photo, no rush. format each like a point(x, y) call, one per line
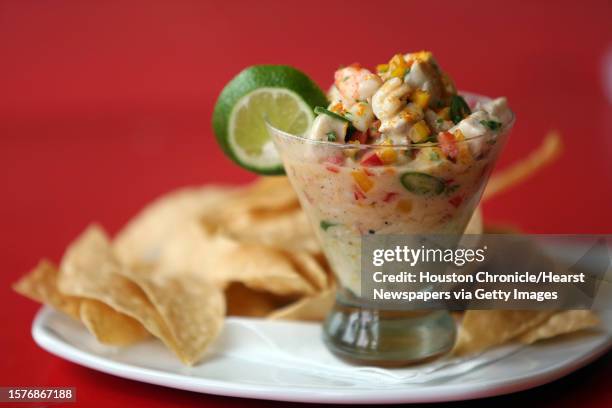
point(398, 151)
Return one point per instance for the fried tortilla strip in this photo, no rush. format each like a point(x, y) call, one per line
point(503, 180)
point(564, 322)
point(40, 285)
point(483, 329)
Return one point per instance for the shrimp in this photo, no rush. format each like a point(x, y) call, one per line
point(390, 98)
point(356, 84)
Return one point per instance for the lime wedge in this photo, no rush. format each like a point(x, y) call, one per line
point(282, 94)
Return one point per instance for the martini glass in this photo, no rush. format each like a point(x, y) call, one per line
point(418, 192)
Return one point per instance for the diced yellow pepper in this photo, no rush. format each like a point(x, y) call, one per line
point(464, 156)
point(404, 205)
point(382, 67)
point(387, 155)
point(419, 132)
point(398, 66)
point(421, 98)
point(364, 182)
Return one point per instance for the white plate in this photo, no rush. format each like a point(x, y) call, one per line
point(253, 365)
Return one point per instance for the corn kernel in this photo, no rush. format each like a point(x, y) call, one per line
point(404, 205)
point(398, 66)
point(421, 98)
point(421, 56)
point(382, 67)
point(364, 182)
point(419, 132)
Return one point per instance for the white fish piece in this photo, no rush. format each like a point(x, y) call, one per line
point(437, 126)
point(333, 94)
point(498, 110)
point(473, 129)
point(398, 126)
point(324, 124)
point(361, 115)
point(424, 76)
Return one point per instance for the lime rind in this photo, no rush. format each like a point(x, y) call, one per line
point(247, 81)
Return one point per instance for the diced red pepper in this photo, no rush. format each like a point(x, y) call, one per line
point(358, 194)
point(371, 159)
point(338, 160)
point(333, 169)
point(389, 197)
point(362, 137)
point(448, 144)
point(456, 201)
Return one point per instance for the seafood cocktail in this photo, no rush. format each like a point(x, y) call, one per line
point(396, 151)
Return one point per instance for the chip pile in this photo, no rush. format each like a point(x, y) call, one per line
point(196, 255)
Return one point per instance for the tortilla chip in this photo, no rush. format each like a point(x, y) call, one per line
point(288, 229)
point(483, 329)
point(41, 285)
point(109, 326)
point(89, 269)
point(518, 172)
point(564, 322)
point(191, 308)
point(141, 239)
point(222, 260)
point(313, 308)
point(311, 267)
point(243, 301)
point(267, 194)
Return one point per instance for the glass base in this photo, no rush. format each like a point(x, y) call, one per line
point(387, 338)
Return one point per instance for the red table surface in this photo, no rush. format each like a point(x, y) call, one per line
point(105, 105)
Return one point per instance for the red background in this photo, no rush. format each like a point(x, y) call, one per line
point(105, 105)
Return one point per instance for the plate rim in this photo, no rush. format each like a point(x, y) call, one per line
point(54, 344)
